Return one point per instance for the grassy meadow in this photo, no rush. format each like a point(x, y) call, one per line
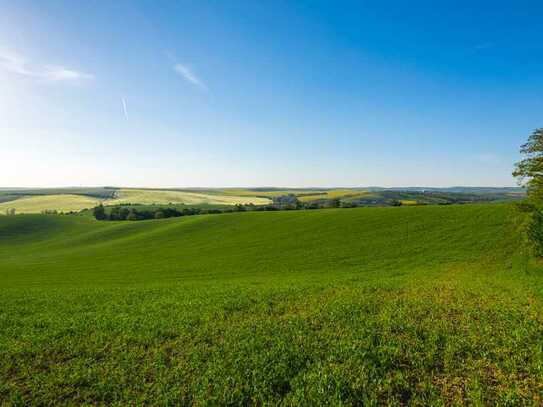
point(39, 203)
point(412, 305)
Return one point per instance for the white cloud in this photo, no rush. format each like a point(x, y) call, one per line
point(124, 108)
point(13, 63)
point(17, 64)
point(61, 73)
point(187, 74)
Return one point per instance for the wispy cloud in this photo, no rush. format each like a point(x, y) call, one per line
point(61, 73)
point(483, 45)
point(186, 73)
point(17, 64)
point(124, 108)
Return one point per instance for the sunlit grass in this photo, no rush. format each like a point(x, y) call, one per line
point(410, 305)
point(60, 203)
point(150, 196)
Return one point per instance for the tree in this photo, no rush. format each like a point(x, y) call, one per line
point(132, 215)
point(335, 203)
point(529, 171)
point(289, 201)
point(99, 212)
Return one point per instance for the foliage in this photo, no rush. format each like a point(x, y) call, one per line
point(99, 212)
point(122, 212)
point(529, 172)
point(284, 201)
point(290, 201)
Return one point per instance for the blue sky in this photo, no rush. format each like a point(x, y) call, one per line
point(270, 93)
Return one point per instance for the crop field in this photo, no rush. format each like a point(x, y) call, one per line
point(418, 305)
point(94, 192)
point(336, 194)
point(381, 196)
point(39, 203)
point(76, 199)
point(8, 197)
point(151, 196)
point(88, 198)
point(271, 192)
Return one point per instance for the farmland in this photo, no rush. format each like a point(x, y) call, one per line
point(410, 305)
point(39, 203)
point(150, 196)
point(77, 199)
point(24, 200)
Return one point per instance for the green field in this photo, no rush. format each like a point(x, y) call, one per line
point(271, 192)
point(336, 194)
point(25, 200)
point(156, 196)
point(374, 196)
point(60, 203)
point(64, 202)
point(416, 305)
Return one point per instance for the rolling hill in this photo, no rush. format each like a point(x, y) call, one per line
point(407, 305)
point(156, 196)
point(58, 202)
point(77, 199)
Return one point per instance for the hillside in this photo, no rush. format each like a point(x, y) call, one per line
point(420, 305)
point(24, 200)
point(58, 202)
point(77, 199)
point(253, 244)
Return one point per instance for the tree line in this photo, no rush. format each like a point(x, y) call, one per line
point(529, 172)
point(279, 203)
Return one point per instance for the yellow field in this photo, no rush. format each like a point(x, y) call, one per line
point(335, 193)
point(61, 203)
point(270, 194)
point(69, 202)
point(149, 197)
point(408, 202)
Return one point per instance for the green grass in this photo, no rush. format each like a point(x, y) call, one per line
point(61, 203)
point(412, 305)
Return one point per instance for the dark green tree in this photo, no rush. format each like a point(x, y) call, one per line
point(529, 171)
point(99, 212)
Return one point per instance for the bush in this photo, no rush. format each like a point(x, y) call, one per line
point(530, 224)
point(534, 232)
point(132, 215)
point(99, 212)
